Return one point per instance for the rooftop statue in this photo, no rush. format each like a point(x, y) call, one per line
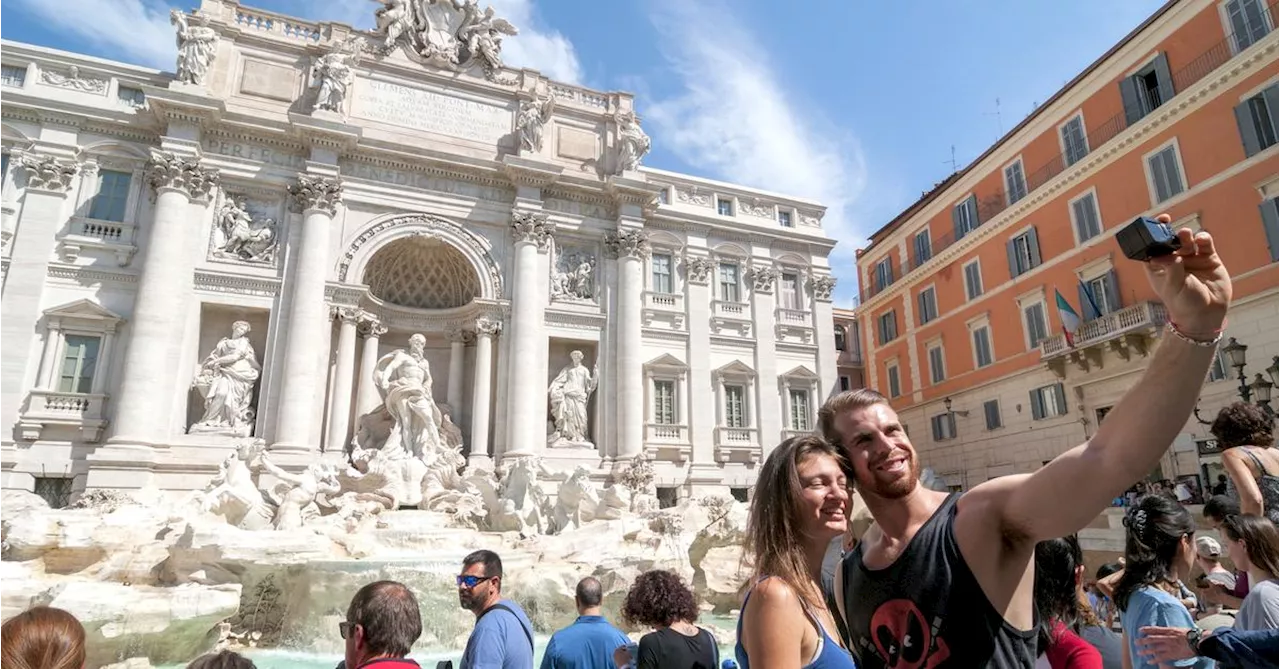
point(449, 33)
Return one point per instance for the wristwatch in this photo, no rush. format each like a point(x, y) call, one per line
point(1193, 639)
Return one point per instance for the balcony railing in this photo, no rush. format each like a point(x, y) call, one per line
point(1136, 318)
point(995, 203)
point(661, 432)
point(739, 444)
point(737, 310)
point(664, 301)
point(47, 408)
point(798, 317)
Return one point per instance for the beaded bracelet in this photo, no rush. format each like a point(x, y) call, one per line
point(1217, 337)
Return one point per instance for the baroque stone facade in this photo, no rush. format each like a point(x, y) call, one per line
point(141, 227)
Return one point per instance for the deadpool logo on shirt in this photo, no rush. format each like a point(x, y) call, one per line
point(903, 639)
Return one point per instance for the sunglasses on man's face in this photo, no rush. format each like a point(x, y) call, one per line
point(347, 629)
point(470, 582)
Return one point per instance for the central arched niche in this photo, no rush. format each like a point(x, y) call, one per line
point(422, 272)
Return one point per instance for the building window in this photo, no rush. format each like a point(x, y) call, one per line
point(1218, 371)
point(840, 338)
point(991, 412)
point(740, 494)
point(1015, 182)
point(982, 346)
point(79, 363)
point(1248, 20)
point(1075, 144)
point(113, 193)
point(937, 365)
point(661, 264)
point(1024, 253)
point(1084, 215)
point(884, 273)
point(1270, 212)
point(800, 409)
point(972, 280)
point(55, 490)
point(11, 75)
point(1048, 401)
point(668, 497)
point(789, 291)
point(1256, 118)
point(964, 216)
point(944, 426)
point(1033, 318)
point(134, 97)
point(1166, 176)
point(845, 384)
point(922, 245)
point(927, 301)
point(1146, 90)
point(888, 326)
point(724, 206)
point(895, 385)
point(664, 402)
point(784, 218)
point(1104, 293)
point(728, 282)
point(734, 406)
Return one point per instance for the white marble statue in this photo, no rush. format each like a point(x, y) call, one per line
point(633, 143)
point(238, 236)
point(197, 46)
point(403, 378)
point(569, 393)
point(225, 381)
point(576, 501)
point(233, 492)
point(482, 33)
point(299, 497)
point(574, 276)
point(533, 116)
point(449, 33)
point(393, 20)
point(333, 74)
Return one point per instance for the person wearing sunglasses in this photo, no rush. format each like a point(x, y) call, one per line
point(382, 625)
point(503, 635)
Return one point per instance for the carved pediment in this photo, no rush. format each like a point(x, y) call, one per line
point(84, 310)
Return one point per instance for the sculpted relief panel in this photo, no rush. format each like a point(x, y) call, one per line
point(420, 109)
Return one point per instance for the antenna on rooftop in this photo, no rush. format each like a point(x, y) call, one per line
point(952, 162)
point(996, 113)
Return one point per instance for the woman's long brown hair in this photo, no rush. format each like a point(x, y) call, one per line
point(774, 537)
point(42, 638)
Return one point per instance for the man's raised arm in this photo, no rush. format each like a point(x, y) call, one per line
point(1069, 492)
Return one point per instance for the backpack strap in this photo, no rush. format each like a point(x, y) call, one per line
point(837, 593)
point(528, 635)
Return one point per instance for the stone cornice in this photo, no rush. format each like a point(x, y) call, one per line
point(237, 284)
point(87, 276)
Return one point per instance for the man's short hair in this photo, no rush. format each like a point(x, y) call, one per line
point(848, 400)
point(589, 593)
point(225, 659)
point(1220, 506)
point(389, 614)
point(492, 563)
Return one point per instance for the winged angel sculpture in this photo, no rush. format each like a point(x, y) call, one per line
point(453, 33)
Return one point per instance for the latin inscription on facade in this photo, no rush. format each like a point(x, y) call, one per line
point(386, 175)
point(258, 152)
point(420, 109)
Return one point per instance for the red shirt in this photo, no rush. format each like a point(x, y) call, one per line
point(1069, 651)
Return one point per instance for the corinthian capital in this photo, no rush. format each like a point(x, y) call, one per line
point(627, 244)
point(47, 173)
point(488, 327)
point(821, 286)
point(170, 171)
point(698, 269)
point(528, 226)
point(762, 279)
point(316, 192)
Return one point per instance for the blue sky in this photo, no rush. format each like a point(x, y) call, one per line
point(855, 103)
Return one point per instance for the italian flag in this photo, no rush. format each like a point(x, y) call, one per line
point(1070, 319)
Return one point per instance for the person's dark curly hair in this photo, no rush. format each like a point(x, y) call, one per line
point(657, 599)
point(1242, 424)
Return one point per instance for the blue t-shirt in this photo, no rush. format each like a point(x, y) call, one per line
point(586, 644)
point(500, 641)
point(1153, 606)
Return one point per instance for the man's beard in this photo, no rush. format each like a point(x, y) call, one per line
point(896, 489)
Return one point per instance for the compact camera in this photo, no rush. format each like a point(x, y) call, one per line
point(1146, 238)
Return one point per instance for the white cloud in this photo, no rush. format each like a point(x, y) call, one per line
point(549, 52)
point(131, 30)
point(735, 119)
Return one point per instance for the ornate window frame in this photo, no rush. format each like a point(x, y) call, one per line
point(799, 378)
point(49, 407)
point(118, 238)
point(739, 444)
point(667, 437)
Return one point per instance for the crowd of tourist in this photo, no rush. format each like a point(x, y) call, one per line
point(991, 577)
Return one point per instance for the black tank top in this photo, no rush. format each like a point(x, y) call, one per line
point(926, 610)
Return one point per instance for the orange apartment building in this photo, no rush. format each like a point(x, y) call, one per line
point(958, 308)
point(848, 350)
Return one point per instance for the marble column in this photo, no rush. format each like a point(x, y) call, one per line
point(631, 247)
point(44, 210)
point(767, 409)
point(481, 394)
point(343, 376)
point(457, 356)
point(302, 382)
point(367, 398)
point(160, 309)
point(820, 289)
point(526, 422)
